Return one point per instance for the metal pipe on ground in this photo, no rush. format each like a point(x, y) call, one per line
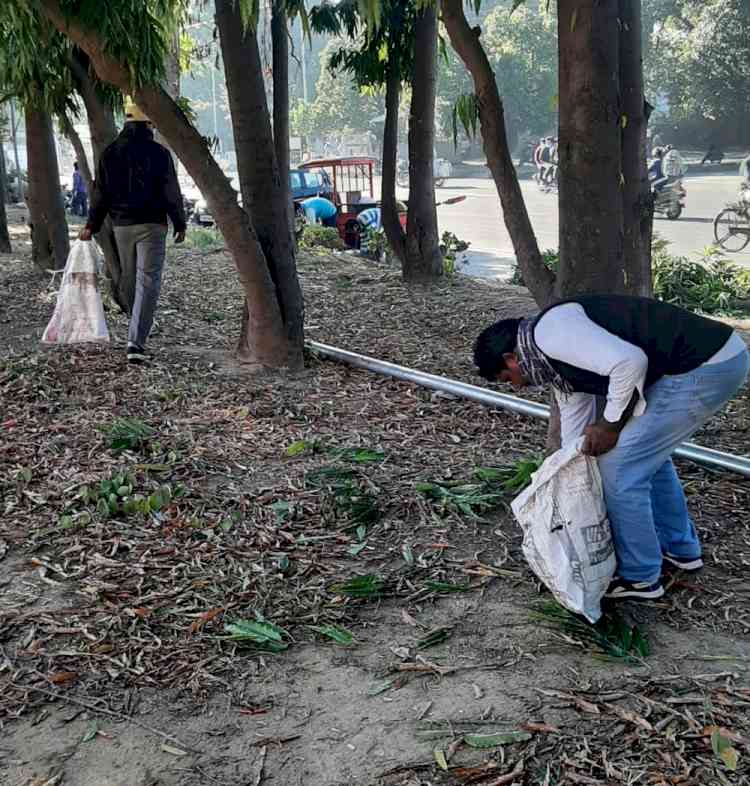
point(707, 456)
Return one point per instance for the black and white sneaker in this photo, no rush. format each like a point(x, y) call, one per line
point(136, 355)
point(687, 564)
point(638, 590)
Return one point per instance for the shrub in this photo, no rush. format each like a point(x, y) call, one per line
point(551, 259)
point(322, 237)
point(452, 249)
point(711, 285)
point(203, 239)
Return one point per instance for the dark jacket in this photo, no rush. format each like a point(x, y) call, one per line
point(136, 183)
point(675, 340)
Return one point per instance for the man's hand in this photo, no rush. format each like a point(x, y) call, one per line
point(600, 438)
point(179, 237)
point(85, 234)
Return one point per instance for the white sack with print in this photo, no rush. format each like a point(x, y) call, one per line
point(566, 534)
point(79, 314)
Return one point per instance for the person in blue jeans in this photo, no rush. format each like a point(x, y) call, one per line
point(660, 372)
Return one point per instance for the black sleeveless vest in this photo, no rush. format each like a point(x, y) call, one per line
point(675, 341)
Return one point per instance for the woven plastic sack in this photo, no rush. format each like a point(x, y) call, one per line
point(79, 315)
point(566, 534)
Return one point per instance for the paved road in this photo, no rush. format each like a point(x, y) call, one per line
point(479, 219)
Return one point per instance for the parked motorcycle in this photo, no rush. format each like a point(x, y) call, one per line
point(670, 200)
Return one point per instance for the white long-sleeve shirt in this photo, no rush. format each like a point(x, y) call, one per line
point(565, 333)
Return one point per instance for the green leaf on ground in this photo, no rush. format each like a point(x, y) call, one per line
point(494, 740)
point(258, 633)
point(334, 633)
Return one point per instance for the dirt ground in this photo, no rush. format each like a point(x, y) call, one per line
point(115, 666)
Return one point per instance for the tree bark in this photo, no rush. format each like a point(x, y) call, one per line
point(5, 246)
point(465, 40)
point(280, 71)
point(16, 161)
point(424, 261)
point(590, 192)
point(101, 121)
point(636, 193)
point(171, 85)
point(265, 338)
point(75, 140)
point(388, 204)
point(263, 194)
point(49, 229)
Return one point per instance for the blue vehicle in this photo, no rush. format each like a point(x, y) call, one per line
point(305, 183)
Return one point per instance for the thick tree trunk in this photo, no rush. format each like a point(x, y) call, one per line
point(265, 336)
point(75, 140)
point(465, 41)
point(263, 195)
point(636, 193)
point(388, 204)
point(49, 229)
point(424, 261)
point(101, 121)
point(264, 185)
point(5, 246)
point(591, 193)
point(280, 70)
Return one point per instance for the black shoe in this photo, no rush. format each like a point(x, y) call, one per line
point(686, 564)
point(136, 355)
point(638, 590)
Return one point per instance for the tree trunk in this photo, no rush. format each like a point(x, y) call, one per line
point(388, 205)
point(465, 40)
point(16, 160)
point(280, 71)
point(49, 229)
point(171, 85)
point(636, 192)
point(75, 140)
point(5, 246)
point(263, 194)
point(101, 121)
point(590, 193)
point(424, 261)
point(264, 334)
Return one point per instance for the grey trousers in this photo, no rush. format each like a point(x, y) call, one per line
point(142, 248)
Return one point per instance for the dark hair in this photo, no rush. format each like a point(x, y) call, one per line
point(75, 165)
point(492, 343)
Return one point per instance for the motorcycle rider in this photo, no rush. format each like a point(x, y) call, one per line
point(538, 163)
point(656, 170)
point(674, 167)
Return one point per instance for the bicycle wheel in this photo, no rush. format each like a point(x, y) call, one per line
point(732, 230)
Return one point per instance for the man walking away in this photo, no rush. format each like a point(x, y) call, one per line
point(664, 372)
point(137, 186)
point(79, 202)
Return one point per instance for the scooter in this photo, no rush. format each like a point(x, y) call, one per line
point(669, 201)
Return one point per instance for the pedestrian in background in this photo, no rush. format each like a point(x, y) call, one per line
point(79, 203)
point(136, 185)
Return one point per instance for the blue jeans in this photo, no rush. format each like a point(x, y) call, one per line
point(645, 501)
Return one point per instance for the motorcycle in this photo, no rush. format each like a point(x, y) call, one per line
point(441, 170)
point(669, 201)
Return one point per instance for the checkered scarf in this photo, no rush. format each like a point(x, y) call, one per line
point(533, 363)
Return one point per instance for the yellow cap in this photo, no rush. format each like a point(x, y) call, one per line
point(134, 113)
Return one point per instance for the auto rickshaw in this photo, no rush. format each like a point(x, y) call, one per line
point(353, 192)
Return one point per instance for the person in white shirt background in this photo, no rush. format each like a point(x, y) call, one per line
point(660, 373)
